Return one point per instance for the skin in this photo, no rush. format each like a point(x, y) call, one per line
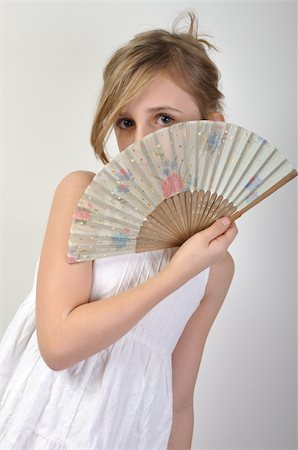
point(171, 105)
point(71, 329)
point(136, 121)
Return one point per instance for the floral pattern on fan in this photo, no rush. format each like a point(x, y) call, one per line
point(123, 175)
point(251, 186)
point(80, 214)
point(121, 238)
point(214, 140)
point(169, 165)
point(171, 184)
point(253, 182)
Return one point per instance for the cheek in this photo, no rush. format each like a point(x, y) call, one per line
point(123, 140)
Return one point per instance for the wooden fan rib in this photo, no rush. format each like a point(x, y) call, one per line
point(142, 240)
point(222, 207)
point(222, 210)
point(163, 221)
point(166, 219)
point(196, 212)
point(169, 208)
point(180, 216)
point(208, 210)
point(185, 197)
point(188, 203)
point(194, 198)
point(173, 204)
point(153, 247)
point(156, 228)
point(203, 206)
point(265, 194)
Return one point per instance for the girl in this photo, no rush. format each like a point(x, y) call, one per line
point(104, 354)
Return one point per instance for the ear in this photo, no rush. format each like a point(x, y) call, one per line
point(216, 115)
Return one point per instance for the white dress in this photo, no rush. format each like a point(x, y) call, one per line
point(118, 399)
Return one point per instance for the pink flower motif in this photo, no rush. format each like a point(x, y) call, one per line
point(122, 188)
point(81, 215)
point(172, 184)
point(123, 174)
point(72, 259)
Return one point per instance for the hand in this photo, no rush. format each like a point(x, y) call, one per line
point(203, 249)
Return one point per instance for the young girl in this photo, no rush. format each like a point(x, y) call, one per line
point(104, 354)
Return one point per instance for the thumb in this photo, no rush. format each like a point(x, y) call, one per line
point(217, 228)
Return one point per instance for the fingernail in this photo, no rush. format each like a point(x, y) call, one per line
point(226, 220)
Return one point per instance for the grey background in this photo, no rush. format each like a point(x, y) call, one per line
point(52, 56)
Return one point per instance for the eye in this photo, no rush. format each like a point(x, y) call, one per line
point(124, 123)
point(166, 119)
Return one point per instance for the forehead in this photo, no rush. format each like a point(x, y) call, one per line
point(161, 92)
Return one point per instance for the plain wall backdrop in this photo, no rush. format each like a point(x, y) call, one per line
point(52, 56)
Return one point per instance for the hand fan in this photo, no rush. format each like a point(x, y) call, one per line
point(171, 184)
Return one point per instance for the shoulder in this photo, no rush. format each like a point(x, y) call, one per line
point(220, 276)
point(77, 178)
point(64, 202)
point(70, 188)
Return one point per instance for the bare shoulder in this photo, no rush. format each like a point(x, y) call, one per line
point(220, 277)
point(61, 286)
point(77, 178)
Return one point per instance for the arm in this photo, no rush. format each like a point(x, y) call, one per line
point(188, 352)
point(69, 327)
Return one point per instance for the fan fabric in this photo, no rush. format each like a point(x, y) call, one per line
point(118, 399)
point(171, 184)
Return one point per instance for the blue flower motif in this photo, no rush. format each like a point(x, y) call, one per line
point(122, 188)
point(174, 165)
point(214, 141)
point(169, 166)
point(191, 181)
point(120, 239)
point(253, 183)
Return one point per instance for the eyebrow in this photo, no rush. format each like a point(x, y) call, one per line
point(156, 108)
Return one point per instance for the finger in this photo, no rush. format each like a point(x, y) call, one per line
point(219, 227)
point(225, 239)
point(231, 232)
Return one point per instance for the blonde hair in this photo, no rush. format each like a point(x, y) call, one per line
point(135, 64)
